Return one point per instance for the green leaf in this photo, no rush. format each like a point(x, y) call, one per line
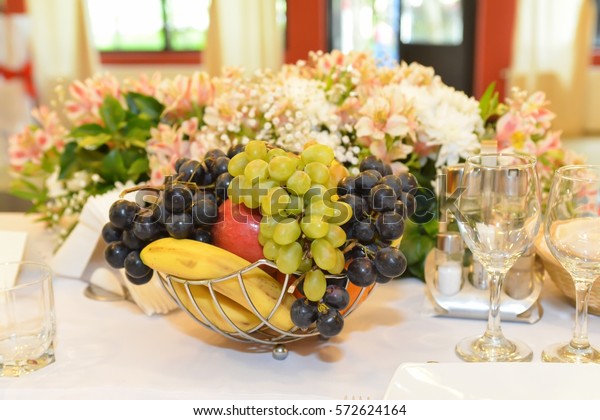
point(93, 142)
point(488, 102)
point(87, 130)
point(68, 161)
point(140, 144)
point(113, 167)
point(145, 106)
point(112, 113)
point(139, 167)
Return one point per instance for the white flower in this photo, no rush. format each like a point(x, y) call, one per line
point(56, 188)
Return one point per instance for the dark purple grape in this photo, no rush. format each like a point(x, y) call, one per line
point(410, 204)
point(361, 272)
point(203, 194)
point(383, 279)
point(191, 171)
point(372, 162)
point(180, 226)
point(358, 205)
point(133, 242)
point(382, 198)
point(146, 227)
point(346, 185)
point(409, 182)
point(356, 252)
point(390, 262)
point(180, 162)
point(303, 313)
point(330, 323)
point(400, 208)
point(138, 281)
point(215, 154)
point(111, 233)
point(115, 254)
point(122, 212)
point(387, 170)
point(222, 184)
point(208, 177)
point(178, 198)
point(392, 181)
point(235, 149)
point(205, 212)
point(336, 297)
point(390, 226)
point(365, 181)
point(134, 266)
point(364, 232)
point(201, 235)
point(220, 166)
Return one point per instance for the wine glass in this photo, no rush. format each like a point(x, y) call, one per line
point(572, 232)
point(498, 214)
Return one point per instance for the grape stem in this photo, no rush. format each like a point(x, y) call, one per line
point(160, 188)
point(354, 243)
point(294, 285)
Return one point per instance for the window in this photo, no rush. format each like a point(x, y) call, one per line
point(167, 31)
point(165, 25)
point(438, 22)
point(366, 25)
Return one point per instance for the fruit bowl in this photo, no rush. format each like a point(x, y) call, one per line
point(220, 314)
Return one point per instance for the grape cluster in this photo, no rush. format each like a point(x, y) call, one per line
point(300, 229)
point(380, 204)
point(185, 206)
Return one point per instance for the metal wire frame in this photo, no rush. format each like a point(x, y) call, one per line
point(265, 333)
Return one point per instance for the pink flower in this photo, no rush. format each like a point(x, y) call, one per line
point(378, 120)
point(87, 97)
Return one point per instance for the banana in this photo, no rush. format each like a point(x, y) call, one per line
point(193, 260)
point(240, 316)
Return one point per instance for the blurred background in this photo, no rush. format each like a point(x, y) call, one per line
point(549, 45)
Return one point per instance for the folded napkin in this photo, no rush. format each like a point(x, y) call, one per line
point(75, 254)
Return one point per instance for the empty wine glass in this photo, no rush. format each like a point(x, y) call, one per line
point(498, 214)
point(572, 232)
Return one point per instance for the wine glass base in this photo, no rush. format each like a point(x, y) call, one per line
point(493, 349)
point(565, 353)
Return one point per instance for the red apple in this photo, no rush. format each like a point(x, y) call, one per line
point(237, 231)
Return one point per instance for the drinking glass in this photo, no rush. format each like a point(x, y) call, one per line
point(572, 232)
point(27, 322)
point(498, 214)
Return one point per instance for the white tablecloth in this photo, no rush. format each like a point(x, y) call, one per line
point(110, 350)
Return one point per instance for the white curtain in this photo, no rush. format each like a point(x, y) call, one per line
point(243, 33)
point(552, 52)
point(62, 48)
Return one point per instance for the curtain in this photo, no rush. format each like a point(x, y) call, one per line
point(552, 52)
point(243, 33)
point(62, 48)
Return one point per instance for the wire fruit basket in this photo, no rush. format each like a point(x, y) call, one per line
point(264, 334)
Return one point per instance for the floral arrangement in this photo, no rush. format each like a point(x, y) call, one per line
point(102, 133)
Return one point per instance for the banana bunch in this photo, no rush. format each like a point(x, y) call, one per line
point(192, 260)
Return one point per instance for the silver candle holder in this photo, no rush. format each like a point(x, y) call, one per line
point(457, 283)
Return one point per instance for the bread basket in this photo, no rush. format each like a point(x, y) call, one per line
point(562, 279)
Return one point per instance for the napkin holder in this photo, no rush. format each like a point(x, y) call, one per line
point(463, 291)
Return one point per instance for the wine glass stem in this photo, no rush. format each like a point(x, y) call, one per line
point(493, 329)
point(583, 290)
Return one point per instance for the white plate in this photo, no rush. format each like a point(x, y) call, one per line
point(499, 381)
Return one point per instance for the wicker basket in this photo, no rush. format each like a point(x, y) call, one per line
point(562, 279)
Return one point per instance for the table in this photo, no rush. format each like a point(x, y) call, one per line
point(111, 350)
